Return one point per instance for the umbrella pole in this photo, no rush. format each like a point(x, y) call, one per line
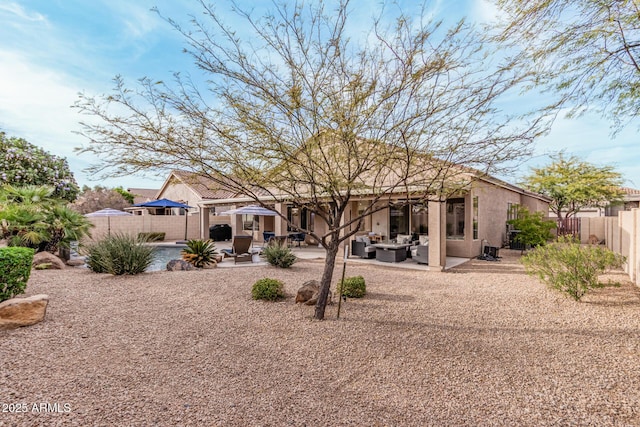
point(186, 222)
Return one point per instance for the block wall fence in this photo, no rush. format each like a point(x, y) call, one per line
point(621, 234)
point(173, 225)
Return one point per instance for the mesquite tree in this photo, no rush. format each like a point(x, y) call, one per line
point(574, 184)
point(585, 53)
point(297, 109)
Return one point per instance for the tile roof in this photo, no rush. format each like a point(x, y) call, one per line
point(630, 191)
point(208, 188)
point(141, 195)
point(205, 187)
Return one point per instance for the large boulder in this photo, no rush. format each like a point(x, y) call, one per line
point(309, 292)
point(178, 265)
point(17, 312)
point(50, 260)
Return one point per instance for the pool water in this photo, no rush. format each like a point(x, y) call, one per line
point(162, 255)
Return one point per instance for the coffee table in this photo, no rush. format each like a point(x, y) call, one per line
point(391, 252)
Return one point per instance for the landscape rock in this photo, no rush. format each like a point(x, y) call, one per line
point(48, 258)
point(179, 265)
point(17, 312)
point(75, 262)
point(308, 293)
point(594, 240)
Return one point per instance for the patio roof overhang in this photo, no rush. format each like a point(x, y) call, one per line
point(357, 195)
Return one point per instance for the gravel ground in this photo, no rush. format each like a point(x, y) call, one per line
point(476, 346)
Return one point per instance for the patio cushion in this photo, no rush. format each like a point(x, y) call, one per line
point(403, 238)
point(423, 239)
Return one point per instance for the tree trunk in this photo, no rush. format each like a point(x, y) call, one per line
point(327, 276)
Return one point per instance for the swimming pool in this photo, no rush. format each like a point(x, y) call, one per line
point(162, 255)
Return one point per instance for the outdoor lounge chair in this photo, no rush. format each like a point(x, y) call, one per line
point(362, 247)
point(239, 249)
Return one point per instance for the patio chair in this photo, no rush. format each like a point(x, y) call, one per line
point(268, 235)
point(421, 254)
point(278, 240)
point(362, 247)
point(297, 237)
point(239, 249)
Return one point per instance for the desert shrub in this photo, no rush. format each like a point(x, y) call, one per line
point(353, 287)
point(533, 229)
point(571, 267)
point(267, 289)
point(154, 236)
point(15, 269)
point(119, 254)
point(279, 255)
point(199, 253)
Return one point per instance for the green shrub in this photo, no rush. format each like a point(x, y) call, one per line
point(571, 267)
point(15, 269)
point(354, 287)
point(119, 254)
point(279, 255)
point(155, 236)
point(532, 228)
point(199, 252)
point(267, 289)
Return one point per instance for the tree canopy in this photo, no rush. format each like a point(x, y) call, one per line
point(574, 184)
point(22, 163)
point(98, 197)
point(586, 53)
point(298, 108)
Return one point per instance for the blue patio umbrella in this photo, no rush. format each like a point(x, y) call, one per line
point(162, 203)
point(166, 203)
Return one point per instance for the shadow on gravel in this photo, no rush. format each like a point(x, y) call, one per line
point(625, 295)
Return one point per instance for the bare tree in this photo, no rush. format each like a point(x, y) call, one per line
point(584, 53)
point(299, 111)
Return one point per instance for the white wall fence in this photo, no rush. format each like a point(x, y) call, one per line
point(621, 234)
point(173, 225)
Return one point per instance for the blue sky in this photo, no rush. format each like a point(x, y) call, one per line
point(50, 50)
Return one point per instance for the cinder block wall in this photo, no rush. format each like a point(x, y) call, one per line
point(621, 235)
point(172, 225)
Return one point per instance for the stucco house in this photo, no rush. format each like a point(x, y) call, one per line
point(474, 217)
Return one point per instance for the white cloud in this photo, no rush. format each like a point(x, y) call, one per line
point(485, 11)
point(18, 11)
point(36, 106)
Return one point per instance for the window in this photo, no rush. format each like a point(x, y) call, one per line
point(475, 218)
point(398, 220)
point(250, 222)
point(455, 219)
point(419, 218)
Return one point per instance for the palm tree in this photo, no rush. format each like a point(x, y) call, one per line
point(24, 225)
point(65, 225)
point(30, 216)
